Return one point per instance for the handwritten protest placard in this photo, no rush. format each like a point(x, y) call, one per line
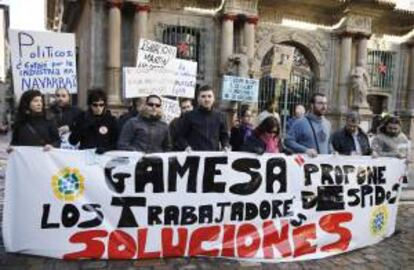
point(186, 79)
point(141, 82)
point(43, 60)
point(240, 89)
point(282, 61)
point(152, 54)
point(170, 109)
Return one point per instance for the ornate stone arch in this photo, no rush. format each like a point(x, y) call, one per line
point(315, 45)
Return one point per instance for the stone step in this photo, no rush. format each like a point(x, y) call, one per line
point(407, 194)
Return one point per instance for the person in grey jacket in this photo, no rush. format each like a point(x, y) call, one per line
point(146, 132)
point(311, 134)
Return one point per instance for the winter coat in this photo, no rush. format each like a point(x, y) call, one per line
point(203, 130)
point(144, 135)
point(94, 131)
point(343, 142)
point(35, 131)
point(239, 135)
point(254, 144)
point(63, 116)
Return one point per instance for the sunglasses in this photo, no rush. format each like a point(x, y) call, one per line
point(150, 104)
point(98, 104)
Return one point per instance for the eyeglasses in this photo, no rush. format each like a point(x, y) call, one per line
point(150, 104)
point(98, 104)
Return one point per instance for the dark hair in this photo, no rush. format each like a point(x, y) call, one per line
point(244, 110)
point(313, 98)
point(96, 94)
point(185, 100)
point(353, 116)
point(153, 96)
point(268, 125)
point(23, 110)
point(204, 88)
point(389, 120)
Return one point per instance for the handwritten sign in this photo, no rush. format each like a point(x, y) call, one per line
point(240, 89)
point(43, 60)
point(152, 54)
point(170, 109)
point(282, 61)
point(186, 79)
point(141, 82)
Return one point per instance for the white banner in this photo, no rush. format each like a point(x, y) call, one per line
point(240, 89)
point(125, 205)
point(154, 55)
point(43, 61)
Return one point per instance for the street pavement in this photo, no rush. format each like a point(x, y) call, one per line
point(396, 252)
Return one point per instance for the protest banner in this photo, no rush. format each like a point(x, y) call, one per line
point(154, 55)
point(240, 89)
point(129, 205)
point(170, 109)
point(43, 60)
point(186, 79)
point(282, 61)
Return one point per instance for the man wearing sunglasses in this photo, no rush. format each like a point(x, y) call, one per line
point(146, 132)
point(97, 127)
point(203, 129)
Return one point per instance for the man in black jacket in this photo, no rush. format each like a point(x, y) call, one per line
point(351, 139)
point(203, 129)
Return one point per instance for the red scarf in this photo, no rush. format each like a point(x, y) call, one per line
point(271, 142)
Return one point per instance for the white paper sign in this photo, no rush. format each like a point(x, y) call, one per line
point(141, 82)
point(153, 55)
point(240, 89)
point(186, 79)
point(282, 61)
point(43, 61)
point(170, 109)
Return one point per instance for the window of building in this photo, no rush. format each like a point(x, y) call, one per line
point(380, 67)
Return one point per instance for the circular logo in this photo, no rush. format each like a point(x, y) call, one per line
point(68, 184)
point(379, 220)
point(103, 130)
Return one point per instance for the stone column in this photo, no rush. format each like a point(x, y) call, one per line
point(345, 70)
point(249, 35)
point(113, 85)
point(140, 24)
point(362, 53)
point(410, 102)
point(227, 33)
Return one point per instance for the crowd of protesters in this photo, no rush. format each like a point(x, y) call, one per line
point(202, 128)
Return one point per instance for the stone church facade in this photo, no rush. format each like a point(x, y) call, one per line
point(336, 44)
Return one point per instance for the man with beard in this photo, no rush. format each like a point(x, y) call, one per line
point(204, 128)
point(146, 132)
point(310, 134)
point(390, 141)
point(351, 139)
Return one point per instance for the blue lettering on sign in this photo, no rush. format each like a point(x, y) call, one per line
point(42, 83)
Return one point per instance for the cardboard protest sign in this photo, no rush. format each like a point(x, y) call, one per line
point(240, 89)
point(129, 205)
point(282, 61)
point(154, 55)
point(170, 109)
point(43, 61)
point(186, 79)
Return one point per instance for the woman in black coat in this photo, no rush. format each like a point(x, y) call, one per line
point(95, 128)
point(32, 128)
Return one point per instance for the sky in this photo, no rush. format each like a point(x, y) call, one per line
point(30, 14)
point(27, 14)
